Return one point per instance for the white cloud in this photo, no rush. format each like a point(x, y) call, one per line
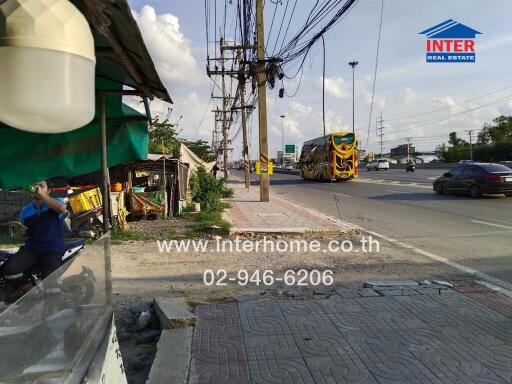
point(170, 50)
point(408, 95)
point(444, 101)
point(300, 108)
point(291, 127)
point(335, 87)
point(497, 42)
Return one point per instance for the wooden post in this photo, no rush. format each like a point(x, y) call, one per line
point(262, 100)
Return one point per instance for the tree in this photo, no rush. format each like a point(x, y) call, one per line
point(201, 149)
point(456, 141)
point(501, 130)
point(163, 138)
point(441, 152)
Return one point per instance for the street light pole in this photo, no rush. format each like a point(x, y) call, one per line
point(353, 65)
point(282, 139)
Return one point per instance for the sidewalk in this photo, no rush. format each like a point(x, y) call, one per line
point(423, 334)
point(248, 214)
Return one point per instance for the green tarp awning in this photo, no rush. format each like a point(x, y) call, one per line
point(29, 157)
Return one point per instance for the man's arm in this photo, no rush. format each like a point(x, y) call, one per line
point(54, 204)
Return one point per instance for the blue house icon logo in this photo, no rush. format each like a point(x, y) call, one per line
point(450, 42)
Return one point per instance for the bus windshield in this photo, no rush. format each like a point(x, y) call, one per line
point(346, 139)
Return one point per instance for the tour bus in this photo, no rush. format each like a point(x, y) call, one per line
point(331, 157)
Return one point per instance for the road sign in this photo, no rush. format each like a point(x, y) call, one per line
point(264, 168)
point(289, 148)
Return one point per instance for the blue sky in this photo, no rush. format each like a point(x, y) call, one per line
point(406, 85)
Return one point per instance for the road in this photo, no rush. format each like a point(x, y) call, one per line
point(474, 233)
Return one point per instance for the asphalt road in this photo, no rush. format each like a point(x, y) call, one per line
point(476, 233)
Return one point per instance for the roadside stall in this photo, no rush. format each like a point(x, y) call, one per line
point(156, 186)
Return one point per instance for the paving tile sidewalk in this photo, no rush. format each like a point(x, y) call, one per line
point(420, 335)
point(248, 214)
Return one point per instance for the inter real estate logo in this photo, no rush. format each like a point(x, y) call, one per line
point(450, 42)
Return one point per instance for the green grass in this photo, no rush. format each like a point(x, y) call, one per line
point(192, 225)
point(209, 223)
point(119, 236)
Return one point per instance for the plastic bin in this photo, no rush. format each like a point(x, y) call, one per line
point(85, 201)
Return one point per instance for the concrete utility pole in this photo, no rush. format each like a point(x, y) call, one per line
point(262, 100)
point(408, 146)
point(224, 123)
point(245, 149)
point(282, 138)
point(470, 132)
point(381, 134)
point(353, 65)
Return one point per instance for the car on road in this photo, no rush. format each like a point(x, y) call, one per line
point(476, 179)
point(288, 167)
point(465, 161)
point(278, 166)
point(377, 165)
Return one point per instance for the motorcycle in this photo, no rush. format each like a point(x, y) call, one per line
point(410, 167)
point(79, 287)
point(88, 224)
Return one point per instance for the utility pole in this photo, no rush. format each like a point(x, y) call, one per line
point(245, 149)
point(408, 147)
point(282, 138)
point(224, 122)
point(470, 132)
point(353, 65)
point(262, 101)
point(381, 134)
point(224, 130)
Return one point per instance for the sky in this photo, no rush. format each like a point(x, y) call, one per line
point(424, 101)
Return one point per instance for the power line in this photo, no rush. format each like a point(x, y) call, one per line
point(451, 106)
point(375, 73)
point(446, 117)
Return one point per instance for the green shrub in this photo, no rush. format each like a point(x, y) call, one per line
point(207, 190)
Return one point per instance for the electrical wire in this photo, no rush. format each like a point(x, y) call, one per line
point(375, 73)
point(450, 106)
point(336, 200)
point(204, 114)
point(280, 26)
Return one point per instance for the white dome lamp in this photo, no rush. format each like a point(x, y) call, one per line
point(47, 66)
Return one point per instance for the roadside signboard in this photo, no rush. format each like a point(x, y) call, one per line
point(264, 168)
point(289, 148)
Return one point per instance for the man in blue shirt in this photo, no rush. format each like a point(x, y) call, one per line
point(44, 246)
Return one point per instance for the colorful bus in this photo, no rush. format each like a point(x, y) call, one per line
point(330, 157)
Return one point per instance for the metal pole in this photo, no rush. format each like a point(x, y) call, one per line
point(353, 100)
point(353, 65)
point(262, 101)
point(165, 182)
point(106, 200)
point(471, 144)
point(104, 166)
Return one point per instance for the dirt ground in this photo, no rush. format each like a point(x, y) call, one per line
point(140, 273)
